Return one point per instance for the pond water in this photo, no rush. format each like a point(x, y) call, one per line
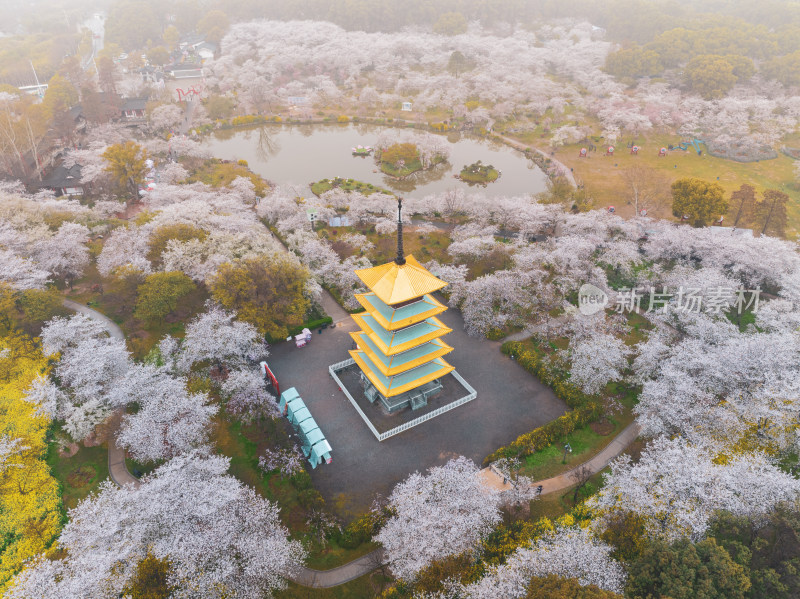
point(304, 154)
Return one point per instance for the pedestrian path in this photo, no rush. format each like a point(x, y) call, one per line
point(325, 579)
point(565, 171)
point(116, 455)
point(566, 480)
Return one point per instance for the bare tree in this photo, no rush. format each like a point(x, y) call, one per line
point(647, 188)
point(453, 203)
point(742, 205)
point(379, 569)
point(581, 474)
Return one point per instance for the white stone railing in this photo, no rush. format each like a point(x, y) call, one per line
point(333, 368)
point(472, 394)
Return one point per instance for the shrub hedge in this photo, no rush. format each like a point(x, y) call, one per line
point(310, 325)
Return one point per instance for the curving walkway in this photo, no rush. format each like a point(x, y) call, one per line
point(565, 170)
point(116, 455)
point(569, 478)
point(325, 579)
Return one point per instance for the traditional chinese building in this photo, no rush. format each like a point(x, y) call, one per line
point(399, 347)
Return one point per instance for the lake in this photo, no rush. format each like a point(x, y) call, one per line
point(303, 154)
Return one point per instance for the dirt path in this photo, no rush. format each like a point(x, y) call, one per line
point(565, 170)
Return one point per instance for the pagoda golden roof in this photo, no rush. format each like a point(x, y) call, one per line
point(391, 343)
point(396, 283)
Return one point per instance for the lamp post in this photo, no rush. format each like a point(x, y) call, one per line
point(567, 449)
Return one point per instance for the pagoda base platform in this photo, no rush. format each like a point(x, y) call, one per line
point(414, 399)
point(454, 391)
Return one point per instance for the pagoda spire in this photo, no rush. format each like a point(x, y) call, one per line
point(400, 259)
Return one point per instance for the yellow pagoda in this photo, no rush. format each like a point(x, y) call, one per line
point(399, 346)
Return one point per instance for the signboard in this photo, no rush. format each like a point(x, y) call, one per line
point(270, 378)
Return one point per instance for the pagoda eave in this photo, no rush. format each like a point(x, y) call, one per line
point(434, 308)
point(396, 363)
point(436, 329)
point(398, 384)
point(396, 283)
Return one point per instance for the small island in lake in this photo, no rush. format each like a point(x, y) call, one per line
point(477, 172)
point(324, 185)
point(403, 159)
point(362, 151)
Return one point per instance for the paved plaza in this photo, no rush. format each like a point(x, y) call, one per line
point(510, 402)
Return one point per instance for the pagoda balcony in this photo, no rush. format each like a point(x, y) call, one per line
point(394, 318)
point(394, 342)
point(402, 362)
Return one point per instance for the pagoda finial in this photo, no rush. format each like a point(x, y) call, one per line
point(400, 259)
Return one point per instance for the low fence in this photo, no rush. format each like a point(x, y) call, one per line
point(471, 394)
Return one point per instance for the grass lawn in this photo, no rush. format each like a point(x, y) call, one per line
point(403, 171)
point(133, 466)
point(424, 246)
point(557, 504)
point(639, 327)
point(586, 443)
point(409, 168)
point(80, 474)
point(604, 180)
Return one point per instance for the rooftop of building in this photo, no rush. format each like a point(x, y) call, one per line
point(395, 283)
point(61, 176)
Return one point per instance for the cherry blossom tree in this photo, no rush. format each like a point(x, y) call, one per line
point(125, 247)
point(64, 254)
point(597, 360)
point(443, 513)
point(219, 537)
point(170, 420)
point(714, 361)
point(9, 448)
point(678, 487)
point(216, 337)
point(87, 371)
point(287, 461)
point(247, 395)
point(46, 396)
point(21, 273)
point(172, 173)
point(566, 552)
point(165, 116)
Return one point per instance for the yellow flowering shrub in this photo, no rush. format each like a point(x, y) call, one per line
point(30, 501)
